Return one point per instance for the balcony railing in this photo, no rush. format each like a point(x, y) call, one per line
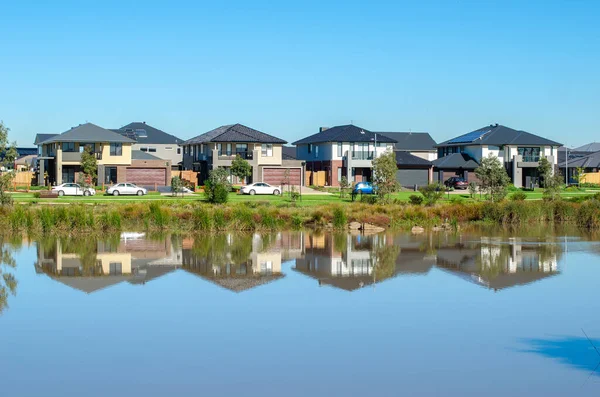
point(244, 155)
point(531, 159)
point(362, 155)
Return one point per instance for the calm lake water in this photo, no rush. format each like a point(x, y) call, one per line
point(302, 314)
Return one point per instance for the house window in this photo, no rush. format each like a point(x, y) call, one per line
point(229, 149)
point(267, 150)
point(316, 151)
point(143, 149)
point(339, 174)
point(152, 149)
point(68, 146)
point(116, 149)
point(110, 175)
point(339, 149)
point(310, 148)
point(220, 149)
point(92, 146)
point(531, 154)
point(168, 147)
point(178, 150)
point(116, 268)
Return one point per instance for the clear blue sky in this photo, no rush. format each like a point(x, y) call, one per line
point(286, 68)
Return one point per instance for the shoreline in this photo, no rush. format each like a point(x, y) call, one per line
point(265, 216)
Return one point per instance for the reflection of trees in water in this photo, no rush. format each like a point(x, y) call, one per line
point(223, 249)
point(385, 261)
point(8, 282)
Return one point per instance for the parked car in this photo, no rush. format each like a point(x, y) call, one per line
point(73, 189)
point(126, 188)
point(260, 188)
point(363, 188)
point(456, 182)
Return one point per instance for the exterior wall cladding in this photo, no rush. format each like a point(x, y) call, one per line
point(331, 169)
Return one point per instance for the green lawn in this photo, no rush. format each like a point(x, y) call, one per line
point(308, 200)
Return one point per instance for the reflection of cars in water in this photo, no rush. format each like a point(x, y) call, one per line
point(126, 188)
point(73, 189)
point(260, 188)
point(456, 182)
point(363, 188)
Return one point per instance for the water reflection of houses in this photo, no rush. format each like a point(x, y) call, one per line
point(497, 264)
point(239, 262)
point(92, 266)
point(351, 262)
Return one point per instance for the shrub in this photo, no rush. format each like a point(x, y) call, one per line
point(217, 186)
point(518, 196)
point(368, 198)
point(339, 218)
point(432, 193)
point(415, 199)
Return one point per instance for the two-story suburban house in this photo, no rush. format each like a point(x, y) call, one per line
point(59, 158)
point(218, 147)
point(519, 151)
point(343, 151)
point(154, 141)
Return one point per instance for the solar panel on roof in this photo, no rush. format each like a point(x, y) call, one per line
point(470, 137)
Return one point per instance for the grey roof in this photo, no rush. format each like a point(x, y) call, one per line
point(234, 133)
point(89, 132)
point(345, 133)
point(405, 158)
point(139, 155)
point(411, 140)
point(288, 153)
point(39, 138)
point(592, 160)
point(456, 160)
point(590, 147)
point(144, 133)
point(498, 135)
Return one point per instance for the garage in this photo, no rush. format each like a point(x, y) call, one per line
point(277, 176)
point(146, 176)
point(412, 177)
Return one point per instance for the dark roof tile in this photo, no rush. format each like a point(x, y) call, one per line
point(411, 140)
point(405, 158)
point(345, 133)
point(498, 135)
point(88, 132)
point(456, 160)
point(234, 133)
point(144, 133)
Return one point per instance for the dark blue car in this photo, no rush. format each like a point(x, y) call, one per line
point(363, 188)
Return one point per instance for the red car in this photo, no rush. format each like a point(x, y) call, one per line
point(457, 183)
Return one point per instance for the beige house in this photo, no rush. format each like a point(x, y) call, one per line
point(218, 148)
point(59, 158)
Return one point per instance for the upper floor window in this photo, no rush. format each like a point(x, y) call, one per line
point(116, 149)
point(267, 150)
point(316, 151)
point(68, 146)
point(92, 147)
point(310, 148)
point(178, 150)
point(529, 153)
point(168, 147)
point(339, 149)
point(152, 149)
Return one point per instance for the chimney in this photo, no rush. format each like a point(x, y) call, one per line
point(143, 122)
point(321, 129)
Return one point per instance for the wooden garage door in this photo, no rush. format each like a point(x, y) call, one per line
point(146, 176)
point(276, 176)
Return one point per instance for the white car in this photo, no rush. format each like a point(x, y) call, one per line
point(260, 188)
point(73, 189)
point(126, 188)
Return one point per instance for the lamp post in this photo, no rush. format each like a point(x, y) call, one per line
point(566, 166)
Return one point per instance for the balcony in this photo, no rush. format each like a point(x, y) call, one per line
point(531, 159)
point(75, 157)
point(363, 155)
point(245, 155)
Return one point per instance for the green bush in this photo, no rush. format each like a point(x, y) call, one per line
point(415, 199)
point(518, 196)
point(339, 218)
point(432, 193)
point(368, 198)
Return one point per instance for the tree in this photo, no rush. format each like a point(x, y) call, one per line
point(579, 175)
point(544, 170)
point(8, 155)
point(176, 186)
point(241, 168)
point(344, 187)
point(432, 193)
point(384, 175)
point(492, 177)
point(8, 282)
point(89, 166)
point(553, 186)
point(217, 186)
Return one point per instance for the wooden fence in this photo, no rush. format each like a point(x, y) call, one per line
point(189, 176)
point(315, 178)
point(590, 177)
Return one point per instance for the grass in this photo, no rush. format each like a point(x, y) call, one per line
point(307, 200)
